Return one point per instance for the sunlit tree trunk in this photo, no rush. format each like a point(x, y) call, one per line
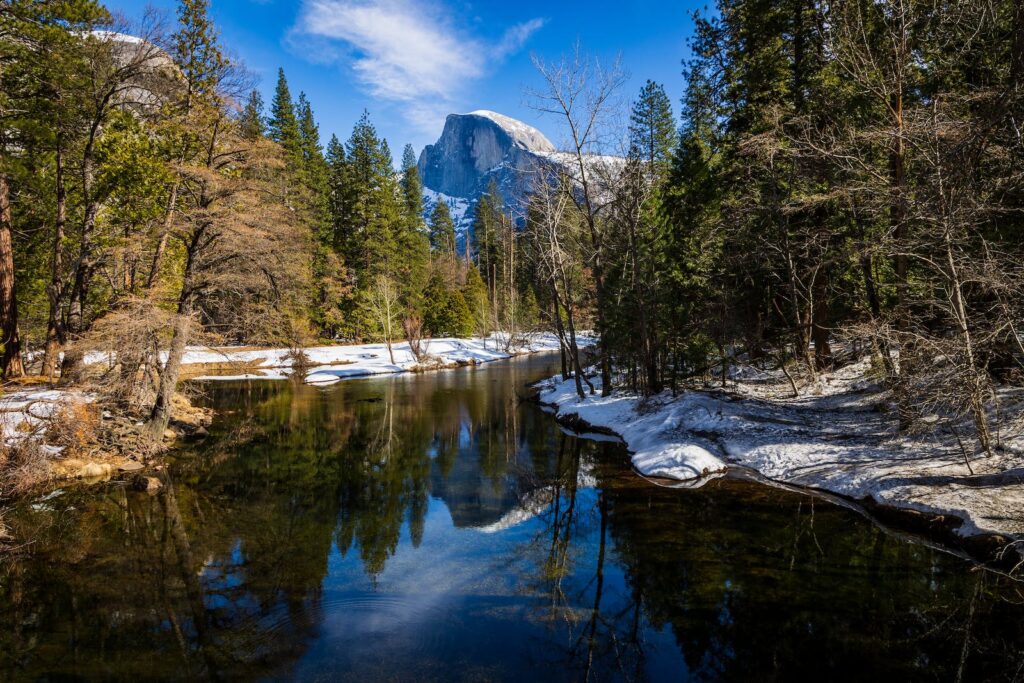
point(10, 363)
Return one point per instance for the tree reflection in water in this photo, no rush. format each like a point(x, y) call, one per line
point(271, 548)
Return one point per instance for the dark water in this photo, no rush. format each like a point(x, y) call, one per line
point(433, 527)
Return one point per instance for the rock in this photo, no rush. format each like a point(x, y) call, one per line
point(147, 484)
point(94, 470)
point(130, 466)
point(477, 146)
point(200, 433)
point(170, 434)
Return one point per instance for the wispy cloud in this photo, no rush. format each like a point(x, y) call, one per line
point(403, 50)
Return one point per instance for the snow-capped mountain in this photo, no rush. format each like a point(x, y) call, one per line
point(473, 149)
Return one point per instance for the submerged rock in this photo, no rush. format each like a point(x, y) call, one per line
point(95, 470)
point(146, 484)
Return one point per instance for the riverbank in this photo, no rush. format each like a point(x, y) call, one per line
point(329, 364)
point(838, 436)
point(53, 434)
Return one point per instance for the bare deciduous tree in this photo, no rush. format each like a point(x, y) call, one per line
point(383, 299)
point(581, 92)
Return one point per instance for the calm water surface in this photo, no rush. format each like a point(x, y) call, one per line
point(434, 527)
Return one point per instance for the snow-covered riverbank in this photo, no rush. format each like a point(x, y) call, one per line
point(328, 364)
point(26, 411)
point(840, 438)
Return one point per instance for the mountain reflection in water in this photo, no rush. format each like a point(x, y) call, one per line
point(435, 527)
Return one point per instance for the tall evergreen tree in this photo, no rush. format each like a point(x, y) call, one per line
point(487, 219)
point(337, 185)
point(197, 53)
point(283, 125)
point(412, 188)
point(442, 231)
point(652, 129)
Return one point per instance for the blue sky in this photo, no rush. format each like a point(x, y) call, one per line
point(411, 62)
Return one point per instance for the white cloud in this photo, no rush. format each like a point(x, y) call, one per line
point(516, 36)
point(402, 50)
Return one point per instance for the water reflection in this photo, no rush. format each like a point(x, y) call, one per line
point(435, 527)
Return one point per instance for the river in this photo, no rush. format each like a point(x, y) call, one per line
point(436, 527)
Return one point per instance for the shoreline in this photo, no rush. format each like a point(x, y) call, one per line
point(27, 412)
point(907, 484)
point(334, 363)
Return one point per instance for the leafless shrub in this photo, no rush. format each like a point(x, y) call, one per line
point(412, 325)
point(74, 427)
point(126, 345)
point(23, 466)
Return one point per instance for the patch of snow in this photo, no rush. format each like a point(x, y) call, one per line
point(115, 36)
point(842, 439)
point(525, 136)
point(24, 413)
point(458, 207)
point(331, 364)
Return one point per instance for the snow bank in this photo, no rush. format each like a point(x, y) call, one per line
point(842, 440)
point(25, 413)
point(330, 364)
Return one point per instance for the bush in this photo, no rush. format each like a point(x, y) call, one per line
point(23, 466)
point(74, 427)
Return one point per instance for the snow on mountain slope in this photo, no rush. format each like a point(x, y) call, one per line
point(458, 207)
point(525, 136)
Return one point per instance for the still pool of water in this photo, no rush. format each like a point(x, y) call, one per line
point(435, 527)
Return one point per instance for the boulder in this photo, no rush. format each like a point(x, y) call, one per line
point(95, 470)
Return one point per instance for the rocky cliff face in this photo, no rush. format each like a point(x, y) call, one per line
point(475, 148)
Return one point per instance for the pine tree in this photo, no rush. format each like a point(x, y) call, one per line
point(445, 312)
point(283, 125)
point(413, 243)
point(442, 231)
point(315, 173)
point(487, 220)
point(412, 189)
point(250, 121)
point(475, 294)
point(652, 130)
point(197, 52)
point(372, 221)
point(337, 187)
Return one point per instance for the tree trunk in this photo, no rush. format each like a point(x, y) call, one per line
point(161, 247)
point(819, 322)
point(561, 336)
point(161, 413)
point(897, 216)
point(55, 335)
point(10, 363)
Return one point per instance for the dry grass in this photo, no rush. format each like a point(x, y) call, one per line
point(23, 466)
point(74, 427)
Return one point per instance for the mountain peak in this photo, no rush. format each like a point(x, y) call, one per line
point(478, 147)
point(524, 135)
